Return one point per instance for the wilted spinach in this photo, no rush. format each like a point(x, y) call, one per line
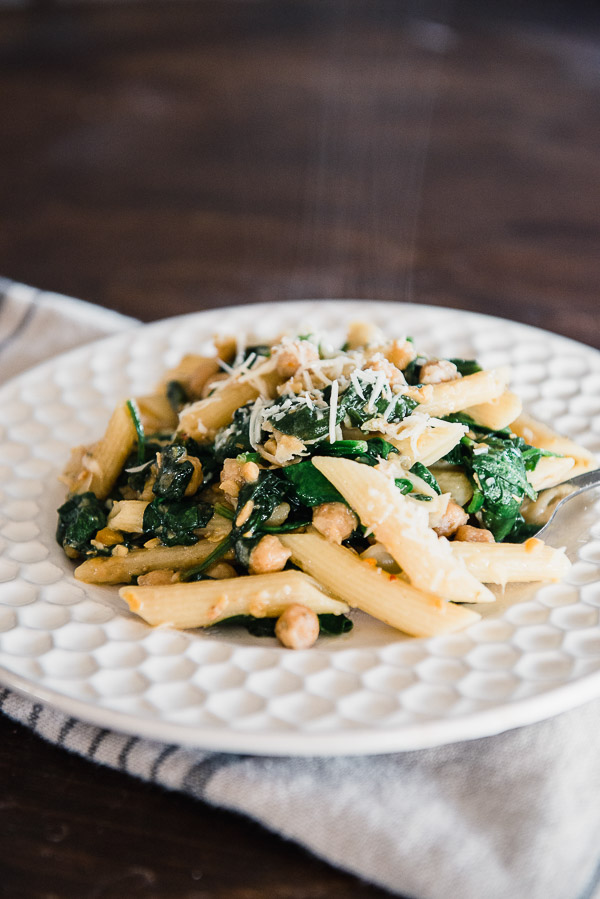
point(499, 477)
point(134, 412)
point(79, 519)
point(174, 473)
point(177, 395)
point(369, 452)
point(234, 438)
point(359, 409)
point(466, 366)
point(174, 523)
point(308, 486)
point(307, 423)
point(264, 494)
point(421, 471)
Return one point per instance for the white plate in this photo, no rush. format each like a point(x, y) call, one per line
point(369, 691)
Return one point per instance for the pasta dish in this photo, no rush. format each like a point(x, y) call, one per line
point(279, 485)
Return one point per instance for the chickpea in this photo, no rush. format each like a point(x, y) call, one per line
point(268, 555)
point(335, 521)
point(453, 518)
point(297, 627)
point(469, 534)
point(393, 375)
point(158, 578)
point(294, 354)
point(437, 371)
point(235, 474)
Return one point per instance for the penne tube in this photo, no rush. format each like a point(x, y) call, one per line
point(204, 603)
point(402, 526)
point(462, 393)
point(550, 471)
point(127, 515)
point(121, 569)
point(192, 372)
point(455, 482)
point(98, 467)
point(537, 434)
point(363, 585)
point(498, 413)
point(539, 511)
point(156, 413)
point(202, 419)
point(503, 563)
point(428, 446)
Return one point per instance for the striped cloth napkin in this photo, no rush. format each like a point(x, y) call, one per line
point(516, 816)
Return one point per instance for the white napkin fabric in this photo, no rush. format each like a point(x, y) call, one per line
point(516, 816)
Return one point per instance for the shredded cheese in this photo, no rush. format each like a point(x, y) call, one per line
point(333, 411)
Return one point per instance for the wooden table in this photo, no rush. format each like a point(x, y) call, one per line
point(164, 158)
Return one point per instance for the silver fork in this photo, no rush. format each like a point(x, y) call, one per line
point(582, 483)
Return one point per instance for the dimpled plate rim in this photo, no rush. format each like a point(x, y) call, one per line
point(74, 646)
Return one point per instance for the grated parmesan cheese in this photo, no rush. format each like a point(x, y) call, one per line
point(333, 411)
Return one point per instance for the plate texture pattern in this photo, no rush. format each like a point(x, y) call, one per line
point(370, 691)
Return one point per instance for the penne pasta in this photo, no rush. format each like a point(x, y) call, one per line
point(205, 603)
point(462, 393)
point(365, 586)
point(127, 515)
point(498, 413)
point(156, 413)
point(550, 471)
point(456, 483)
point(429, 445)
point(202, 419)
point(537, 434)
point(96, 469)
point(503, 563)
point(121, 569)
point(403, 529)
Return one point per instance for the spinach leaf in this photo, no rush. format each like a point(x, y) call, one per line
point(422, 472)
point(522, 531)
point(378, 448)
point(259, 349)
point(500, 477)
point(368, 452)
point(249, 457)
point(174, 523)
point(132, 407)
point(234, 438)
point(359, 409)
point(243, 547)
point(412, 371)
point(197, 573)
point(531, 454)
point(404, 485)
point(177, 395)
point(309, 487)
point(137, 477)
point(79, 519)
point(466, 366)
point(211, 466)
point(174, 473)
point(333, 625)
point(265, 494)
point(298, 419)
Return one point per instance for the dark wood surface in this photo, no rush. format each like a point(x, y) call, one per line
point(160, 159)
